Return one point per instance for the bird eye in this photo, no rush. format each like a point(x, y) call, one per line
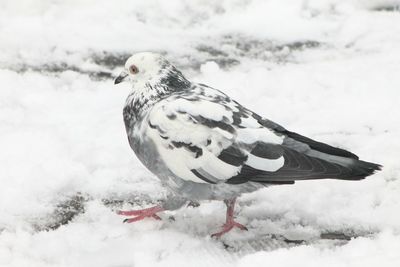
point(133, 69)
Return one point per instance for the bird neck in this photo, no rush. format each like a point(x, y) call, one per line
point(144, 96)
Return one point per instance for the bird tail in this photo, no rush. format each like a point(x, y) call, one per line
point(360, 169)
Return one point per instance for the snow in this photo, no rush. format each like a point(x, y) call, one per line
point(326, 69)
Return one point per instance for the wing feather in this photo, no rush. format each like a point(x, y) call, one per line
point(201, 139)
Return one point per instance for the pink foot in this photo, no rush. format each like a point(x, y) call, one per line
point(230, 222)
point(141, 214)
point(229, 226)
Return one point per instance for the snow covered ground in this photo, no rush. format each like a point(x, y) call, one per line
point(328, 69)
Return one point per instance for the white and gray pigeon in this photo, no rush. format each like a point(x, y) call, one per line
point(203, 145)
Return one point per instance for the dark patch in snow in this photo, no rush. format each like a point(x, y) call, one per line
point(246, 46)
point(226, 63)
point(193, 204)
point(139, 200)
point(270, 242)
point(110, 60)
point(347, 234)
point(388, 8)
point(238, 47)
point(267, 242)
point(211, 50)
point(57, 68)
point(335, 235)
point(65, 212)
point(299, 45)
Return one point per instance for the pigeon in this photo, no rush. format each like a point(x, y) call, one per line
point(203, 145)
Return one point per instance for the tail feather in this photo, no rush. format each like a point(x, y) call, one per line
point(362, 169)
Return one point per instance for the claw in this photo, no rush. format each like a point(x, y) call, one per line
point(155, 216)
point(229, 226)
point(141, 214)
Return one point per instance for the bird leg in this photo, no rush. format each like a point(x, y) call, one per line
point(141, 214)
point(230, 222)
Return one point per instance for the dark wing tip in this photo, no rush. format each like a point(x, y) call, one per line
point(367, 168)
point(319, 146)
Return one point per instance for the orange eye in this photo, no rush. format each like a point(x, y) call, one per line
point(133, 69)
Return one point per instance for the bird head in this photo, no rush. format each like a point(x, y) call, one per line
point(152, 70)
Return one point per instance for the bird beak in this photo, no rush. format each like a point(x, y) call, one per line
point(121, 77)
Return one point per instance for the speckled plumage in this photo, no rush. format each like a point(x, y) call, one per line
point(204, 145)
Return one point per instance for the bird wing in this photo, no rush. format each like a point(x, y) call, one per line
point(205, 137)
